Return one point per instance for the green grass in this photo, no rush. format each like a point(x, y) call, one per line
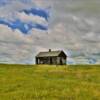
point(44, 82)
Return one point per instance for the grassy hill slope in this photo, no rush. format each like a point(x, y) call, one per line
point(44, 82)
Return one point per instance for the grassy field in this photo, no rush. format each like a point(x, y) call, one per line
point(24, 82)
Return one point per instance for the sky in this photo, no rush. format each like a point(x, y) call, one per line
point(30, 26)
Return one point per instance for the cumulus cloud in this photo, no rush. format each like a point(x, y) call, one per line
point(73, 27)
point(31, 18)
point(23, 17)
point(17, 47)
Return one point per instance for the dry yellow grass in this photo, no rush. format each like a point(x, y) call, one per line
point(45, 82)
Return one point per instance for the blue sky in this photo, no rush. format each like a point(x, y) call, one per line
point(30, 26)
point(23, 26)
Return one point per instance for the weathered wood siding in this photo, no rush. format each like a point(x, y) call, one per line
point(56, 60)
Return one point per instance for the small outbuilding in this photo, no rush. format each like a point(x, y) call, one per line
point(51, 57)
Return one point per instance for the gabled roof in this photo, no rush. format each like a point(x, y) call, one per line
point(49, 54)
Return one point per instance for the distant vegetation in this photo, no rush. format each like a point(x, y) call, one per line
point(45, 82)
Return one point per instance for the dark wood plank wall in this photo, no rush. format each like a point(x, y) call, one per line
point(51, 60)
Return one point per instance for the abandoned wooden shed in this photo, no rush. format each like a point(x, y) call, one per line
point(51, 57)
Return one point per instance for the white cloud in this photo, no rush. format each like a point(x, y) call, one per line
point(8, 35)
point(31, 18)
point(17, 47)
point(74, 27)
